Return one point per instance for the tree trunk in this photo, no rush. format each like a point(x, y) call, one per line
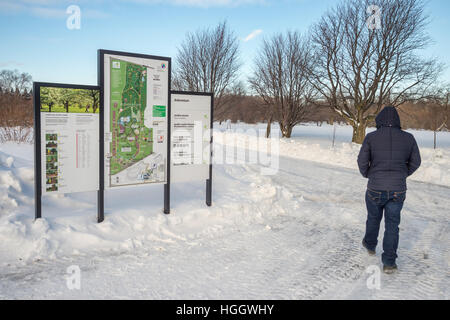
point(286, 131)
point(334, 134)
point(289, 132)
point(269, 125)
point(434, 139)
point(359, 132)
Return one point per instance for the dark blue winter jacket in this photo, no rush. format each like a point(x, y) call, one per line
point(388, 155)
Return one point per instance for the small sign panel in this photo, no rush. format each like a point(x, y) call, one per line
point(190, 136)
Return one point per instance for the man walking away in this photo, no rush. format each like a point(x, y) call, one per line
point(387, 157)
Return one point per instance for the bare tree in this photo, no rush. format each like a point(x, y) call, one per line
point(438, 109)
point(231, 96)
point(281, 79)
point(208, 61)
point(15, 81)
point(361, 67)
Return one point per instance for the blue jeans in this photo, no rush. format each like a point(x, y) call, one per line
point(391, 202)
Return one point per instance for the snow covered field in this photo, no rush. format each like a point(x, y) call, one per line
point(293, 235)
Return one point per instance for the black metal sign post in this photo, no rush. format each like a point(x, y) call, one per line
point(209, 181)
point(101, 158)
point(37, 137)
point(37, 152)
point(169, 147)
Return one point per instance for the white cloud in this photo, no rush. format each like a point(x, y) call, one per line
point(10, 7)
point(56, 8)
point(11, 63)
point(202, 3)
point(45, 12)
point(47, 8)
point(252, 35)
point(215, 3)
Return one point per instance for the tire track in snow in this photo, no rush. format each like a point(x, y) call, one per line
point(416, 280)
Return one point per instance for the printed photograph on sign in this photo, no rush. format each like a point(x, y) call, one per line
point(51, 160)
point(69, 100)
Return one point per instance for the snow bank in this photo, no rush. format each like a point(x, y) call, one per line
point(435, 166)
point(8, 183)
point(69, 228)
point(241, 198)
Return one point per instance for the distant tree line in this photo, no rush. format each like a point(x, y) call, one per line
point(15, 99)
point(426, 115)
point(16, 106)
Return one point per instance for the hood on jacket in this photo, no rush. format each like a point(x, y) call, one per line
point(388, 117)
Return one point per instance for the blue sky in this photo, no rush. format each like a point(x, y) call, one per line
point(35, 38)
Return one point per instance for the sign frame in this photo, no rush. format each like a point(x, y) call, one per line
point(37, 135)
point(101, 83)
point(209, 180)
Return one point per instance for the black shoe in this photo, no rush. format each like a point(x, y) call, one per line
point(389, 269)
point(371, 252)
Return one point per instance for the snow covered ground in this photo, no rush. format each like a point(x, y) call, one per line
point(292, 235)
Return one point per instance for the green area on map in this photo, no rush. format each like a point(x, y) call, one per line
point(159, 111)
point(131, 141)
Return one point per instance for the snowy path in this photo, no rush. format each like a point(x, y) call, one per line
point(424, 254)
point(296, 235)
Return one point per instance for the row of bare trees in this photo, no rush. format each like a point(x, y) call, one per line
point(16, 112)
point(344, 62)
point(15, 81)
point(438, 109)
point(15, 99)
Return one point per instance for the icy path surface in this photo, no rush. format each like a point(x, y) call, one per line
point(295, 235)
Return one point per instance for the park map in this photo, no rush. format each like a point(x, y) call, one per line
point(131, 141)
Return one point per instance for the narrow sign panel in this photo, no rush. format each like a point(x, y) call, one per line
point(191, 136)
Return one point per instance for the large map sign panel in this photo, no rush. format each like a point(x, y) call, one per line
point(136, 102)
